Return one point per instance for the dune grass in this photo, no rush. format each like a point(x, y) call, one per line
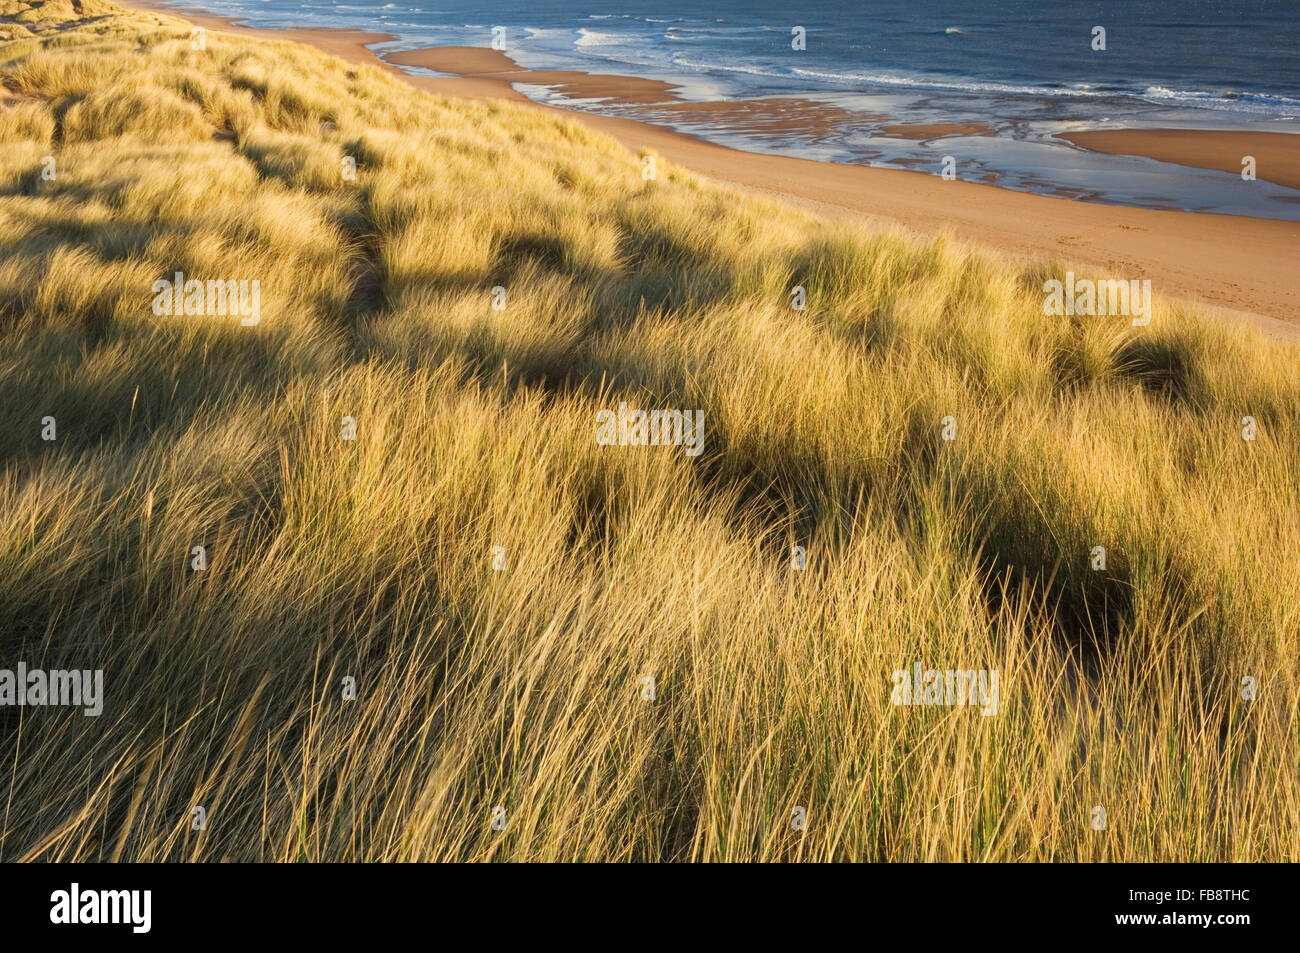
point(521, 687)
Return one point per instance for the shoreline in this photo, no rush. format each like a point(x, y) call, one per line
point(1277, 154)
point(1239, 267)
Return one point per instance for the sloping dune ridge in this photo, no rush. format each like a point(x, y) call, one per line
point(365, 581)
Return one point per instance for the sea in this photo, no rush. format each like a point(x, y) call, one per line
point(1026, 70)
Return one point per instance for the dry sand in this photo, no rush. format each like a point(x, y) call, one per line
point(1244, 267)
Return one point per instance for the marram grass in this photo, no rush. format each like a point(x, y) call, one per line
point(523, 687)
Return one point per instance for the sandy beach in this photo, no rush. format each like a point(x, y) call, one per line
point(1277, 154)
point(1240, 267)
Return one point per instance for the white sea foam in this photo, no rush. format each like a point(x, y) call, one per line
point(539, 33)
point(589, 38)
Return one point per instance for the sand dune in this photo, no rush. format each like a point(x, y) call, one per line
point(1242, 267)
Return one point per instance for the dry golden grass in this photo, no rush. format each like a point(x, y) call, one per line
point(476, 429)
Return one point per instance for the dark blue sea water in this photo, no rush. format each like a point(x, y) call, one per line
point(1025, 67)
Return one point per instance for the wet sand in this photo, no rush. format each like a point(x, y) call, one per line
point(496, 66)
point(1242, 267)
point(936, 130)
point(1277, 154)
point(659, 102)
